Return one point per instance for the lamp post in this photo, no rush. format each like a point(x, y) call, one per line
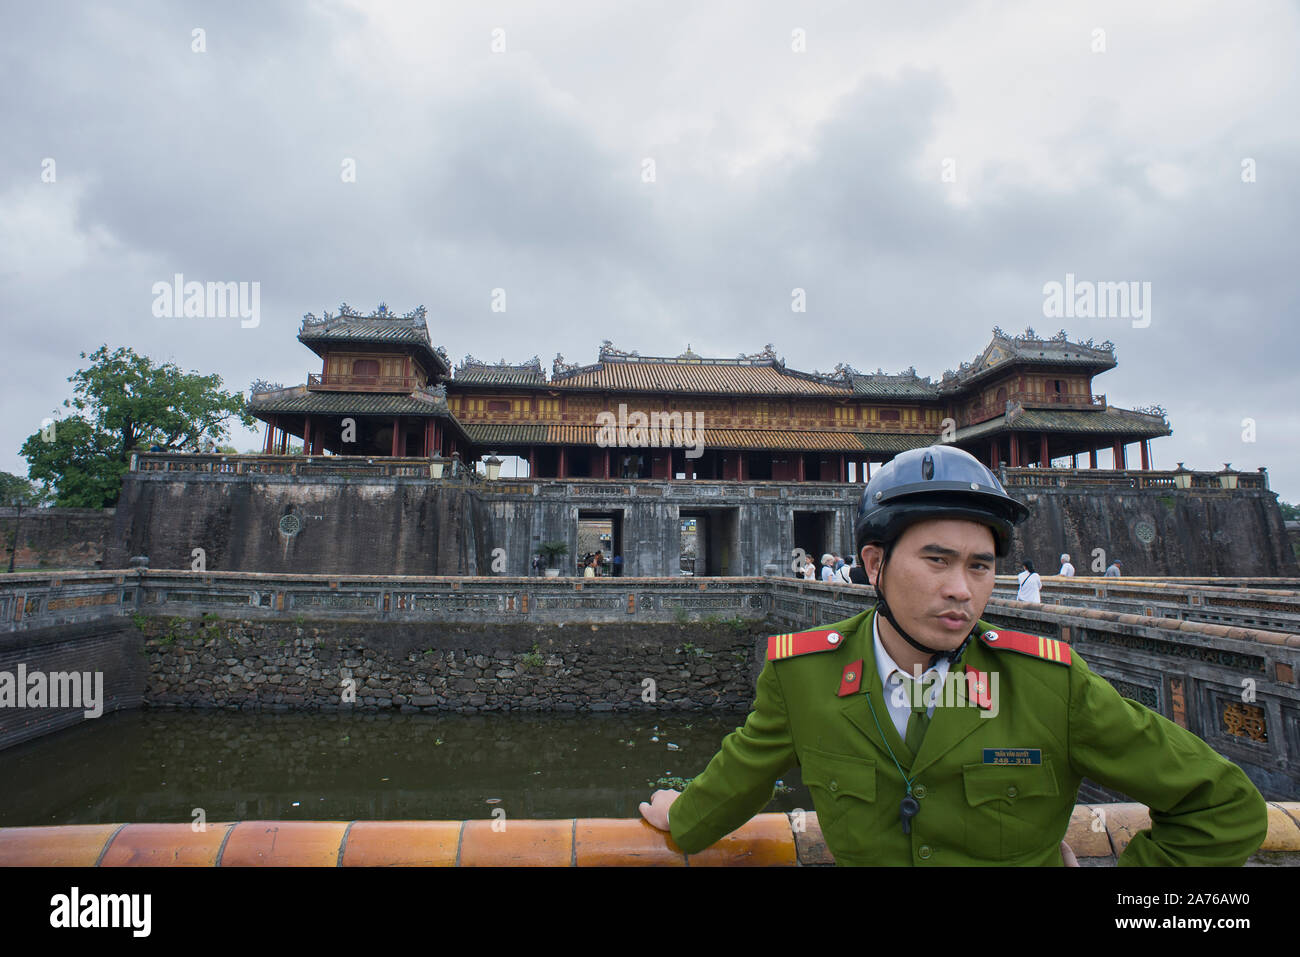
point(436, 466)
point(18, 520)
point(1182, 477)
point(493, 466)
point(1228, 478)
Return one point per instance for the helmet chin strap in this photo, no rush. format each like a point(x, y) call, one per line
point(935, 654)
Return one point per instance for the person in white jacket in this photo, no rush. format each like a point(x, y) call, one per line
point(1031, 583)
point(1067, 570)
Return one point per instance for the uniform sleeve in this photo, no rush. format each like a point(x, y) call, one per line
point(1204, 810)
point(738, 782)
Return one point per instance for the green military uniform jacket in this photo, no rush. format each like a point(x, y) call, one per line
point(1204, 810)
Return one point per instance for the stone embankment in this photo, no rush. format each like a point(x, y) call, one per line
point(359, 666)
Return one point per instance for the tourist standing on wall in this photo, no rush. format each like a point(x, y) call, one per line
point(828, 560)
point(618, 566)
point(809, 569)
point(1113, 570)
point(1067, 570)
point(844, 573)
point(1031, 583)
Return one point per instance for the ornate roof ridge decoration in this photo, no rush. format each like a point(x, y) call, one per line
point(436, 395)
point(530, 365)
point(1020, 346)
point(291, 390)
point(561, 368)
point(261, 386)
point(609, 353)
point(1155, 410)
point(767, 355)
point(880, 375)
point(416, 318)
point(1061, 338)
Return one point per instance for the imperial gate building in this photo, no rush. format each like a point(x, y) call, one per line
point(1023, 401)
point(393, 467)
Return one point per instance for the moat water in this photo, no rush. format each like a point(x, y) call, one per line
point(159, 766)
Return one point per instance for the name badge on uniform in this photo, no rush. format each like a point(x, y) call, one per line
point(1013, 756)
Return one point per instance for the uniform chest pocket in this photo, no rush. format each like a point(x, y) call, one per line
point(1011, 808)
point(1008, 782)
point(838, 783)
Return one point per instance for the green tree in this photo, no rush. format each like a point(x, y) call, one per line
point(123, 403)
point(16, 488)
point(1290, 513)
point(81, 463)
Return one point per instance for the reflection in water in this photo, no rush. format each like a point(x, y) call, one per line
point(160, 765)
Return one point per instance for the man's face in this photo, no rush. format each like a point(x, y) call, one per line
point(938, 578)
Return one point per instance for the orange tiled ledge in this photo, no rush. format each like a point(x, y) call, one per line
point(1095, 832)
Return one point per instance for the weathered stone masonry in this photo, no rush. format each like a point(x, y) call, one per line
point(282, 666)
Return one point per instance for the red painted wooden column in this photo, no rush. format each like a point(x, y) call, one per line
point(1146, 454)
point(1044, 458)
point(800, 473)
point(740, 465)
point(605, 464)
point(532, 461)
point(270, 432)
point(1120, 461)
point(561, 468)
point(397, 432)
point(1092, 458)
point(1015, 449)
point(306, 434)
point(993, 453)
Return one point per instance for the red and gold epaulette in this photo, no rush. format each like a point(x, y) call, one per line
point(1049, 649)
point(802, 643)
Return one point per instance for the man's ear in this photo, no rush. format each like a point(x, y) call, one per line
point(871, 556)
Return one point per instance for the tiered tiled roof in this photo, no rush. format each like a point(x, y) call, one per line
point(474, 372)
point(1029, 348)
point(382, 327)
point(426, 402)
point(1110, 419)
point(759, 374)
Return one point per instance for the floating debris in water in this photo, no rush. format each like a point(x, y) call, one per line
point(673, 747)
point(493, 801)
point(295, 803)
point(655, 738)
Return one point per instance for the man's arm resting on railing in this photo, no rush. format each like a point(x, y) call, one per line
point(1204, 809)
point(738, 782)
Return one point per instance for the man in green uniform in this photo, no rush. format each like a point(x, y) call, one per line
point(929, 737)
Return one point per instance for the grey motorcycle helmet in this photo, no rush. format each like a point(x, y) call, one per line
point(940, 481)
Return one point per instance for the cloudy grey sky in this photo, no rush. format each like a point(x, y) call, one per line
point(523, 168)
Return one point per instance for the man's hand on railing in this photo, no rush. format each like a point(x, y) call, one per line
point(656, 810)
